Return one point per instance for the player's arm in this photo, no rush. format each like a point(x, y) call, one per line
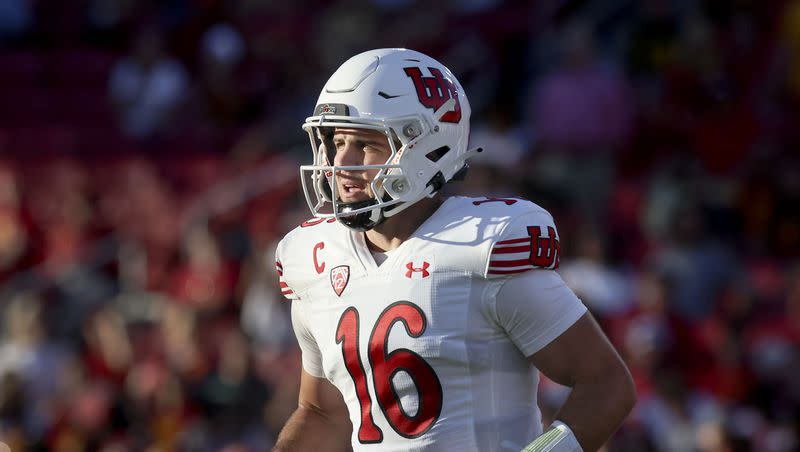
point(603, 392)
point(551, 326)
point(320, 423)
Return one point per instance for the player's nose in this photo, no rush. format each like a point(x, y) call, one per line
point(348, 154)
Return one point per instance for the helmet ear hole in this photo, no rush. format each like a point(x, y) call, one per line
point(436, 154)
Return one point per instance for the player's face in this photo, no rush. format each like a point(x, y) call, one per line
point(358, 147)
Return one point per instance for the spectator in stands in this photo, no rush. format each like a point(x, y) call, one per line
point(790, 46)
point(604, 289)
point(580, 113)
point(147, 86)
point(205, 281)
point(265, 317)
point(29, 358)
point(570, 100)
point(16, 17)
point(696, 262)
point(222, 51)
point(654, 40)
point(502, 137)
point(181, 342)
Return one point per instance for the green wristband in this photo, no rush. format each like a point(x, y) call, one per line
point(558, 438)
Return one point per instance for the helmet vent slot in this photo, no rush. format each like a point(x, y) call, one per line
point(436, 154)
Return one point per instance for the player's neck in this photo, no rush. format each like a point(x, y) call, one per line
point(395, 230)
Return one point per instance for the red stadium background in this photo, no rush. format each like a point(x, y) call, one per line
point(149, 155)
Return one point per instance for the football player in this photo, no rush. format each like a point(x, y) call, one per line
point(424, 321)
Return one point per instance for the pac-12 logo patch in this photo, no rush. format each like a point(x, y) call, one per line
point(339, 277)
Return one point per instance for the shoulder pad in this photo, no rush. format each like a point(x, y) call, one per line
point(528, 240)
point(292, 259)
point(285, 289)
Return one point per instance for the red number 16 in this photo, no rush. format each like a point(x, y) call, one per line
point(385, 365)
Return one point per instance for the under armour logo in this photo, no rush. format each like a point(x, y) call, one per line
point(433, 92)
point(423, 269)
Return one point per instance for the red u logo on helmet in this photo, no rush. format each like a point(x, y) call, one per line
point(434, 91)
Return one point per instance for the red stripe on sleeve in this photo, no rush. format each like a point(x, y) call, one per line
point(512, 241)
point(515, 263)
point(507, 272)
point(511, 250)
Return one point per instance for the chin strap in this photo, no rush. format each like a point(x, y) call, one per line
point(363, 221)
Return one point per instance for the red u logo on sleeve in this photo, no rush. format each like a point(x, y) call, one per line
point(544, 250)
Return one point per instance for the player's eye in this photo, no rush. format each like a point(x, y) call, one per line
point(374, 147)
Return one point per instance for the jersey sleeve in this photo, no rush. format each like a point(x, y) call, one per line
point(535, 308)
point(286, 290)
point(529, 241)
point(311, 356)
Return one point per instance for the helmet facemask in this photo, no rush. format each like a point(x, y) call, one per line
point(402, 179)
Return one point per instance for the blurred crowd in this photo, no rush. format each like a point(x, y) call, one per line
point(148, 162)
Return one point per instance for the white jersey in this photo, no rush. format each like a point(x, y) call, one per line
point(429, 348)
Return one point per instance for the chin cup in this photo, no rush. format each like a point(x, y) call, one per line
point(363, 221)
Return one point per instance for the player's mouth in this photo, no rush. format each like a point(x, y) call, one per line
point(352, 189)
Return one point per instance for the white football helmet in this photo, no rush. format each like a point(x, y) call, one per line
point(420, 107)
